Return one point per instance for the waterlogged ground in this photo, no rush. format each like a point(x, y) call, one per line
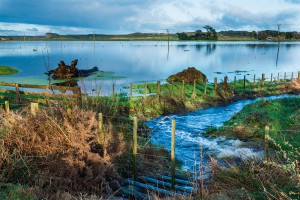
point(140, 61)
point(190, 140)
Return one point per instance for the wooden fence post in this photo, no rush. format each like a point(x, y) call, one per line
point(216, 84)
point(244, 83)
point(271, 78)
point(173, 154)
point(254, 81)
point(284, 78)
point(146, 88)
point(79, 97)
point(135, 123)
point(298, 75)
point(292, 77)
point(183, 91)
point(130, 91)
point(266, 154)
point(34, 107)
point(113, 91)
point(158, 88)
point(17, 93)
point(278, 78)
point(194, 95)
point(47, 95)
point(7, 106)
point(262, 81)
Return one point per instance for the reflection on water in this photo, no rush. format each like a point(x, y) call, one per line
point(148, 60)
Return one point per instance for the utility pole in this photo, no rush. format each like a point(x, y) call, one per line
point(278, 25)
point(168, 38)
point(278, 44)
point(168, 43)
point(94, 41)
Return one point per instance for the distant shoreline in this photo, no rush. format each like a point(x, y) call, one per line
point(147, 39)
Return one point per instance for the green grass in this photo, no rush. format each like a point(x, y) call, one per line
point(15, 192)
point(5, 70)
point(281, 115)
point(256, 180)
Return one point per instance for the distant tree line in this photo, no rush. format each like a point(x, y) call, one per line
point(232, 33)
point(210, 34)
point(261, 35)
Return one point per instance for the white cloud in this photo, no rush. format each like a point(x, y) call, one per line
point(125, 16)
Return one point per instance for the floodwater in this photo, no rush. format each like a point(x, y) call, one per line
point(139, 61)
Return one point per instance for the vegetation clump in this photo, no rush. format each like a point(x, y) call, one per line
point(5, 70)
point(188, 75)
point(57, 151)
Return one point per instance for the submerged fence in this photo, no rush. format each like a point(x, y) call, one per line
point(46, 94)
point(42, 93)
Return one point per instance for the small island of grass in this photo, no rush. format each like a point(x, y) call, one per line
point(5, 70)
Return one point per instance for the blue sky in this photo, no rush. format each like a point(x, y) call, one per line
point(36, 17)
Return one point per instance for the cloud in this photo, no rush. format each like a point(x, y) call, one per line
point(293, 1)
point(126, 16)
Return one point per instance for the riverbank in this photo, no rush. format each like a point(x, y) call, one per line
point(256, 179)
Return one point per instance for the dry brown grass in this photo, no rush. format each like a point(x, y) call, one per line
point(58, 151)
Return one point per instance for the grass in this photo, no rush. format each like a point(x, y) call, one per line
point(68, 133)
point(278, 179)
point(5, 70)
point(16, 191)
point(282, 116)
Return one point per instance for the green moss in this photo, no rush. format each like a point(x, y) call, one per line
point(5, 70)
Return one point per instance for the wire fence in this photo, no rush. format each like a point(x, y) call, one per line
point(143, 90)
point(144, 136)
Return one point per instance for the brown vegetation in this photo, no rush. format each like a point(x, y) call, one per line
point(57, 151)
point(188, 75)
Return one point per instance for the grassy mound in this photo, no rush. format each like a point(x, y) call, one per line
point(4, 70)
point(188, 75)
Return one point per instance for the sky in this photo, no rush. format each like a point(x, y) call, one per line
point(36, 17)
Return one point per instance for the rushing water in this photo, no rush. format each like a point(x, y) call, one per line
point(189, 139)
point(136, 61)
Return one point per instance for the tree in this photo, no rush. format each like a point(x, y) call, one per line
point(182, 36)
point(199, 35)
point(289, 35)
point(262, 35)
point(207, 28)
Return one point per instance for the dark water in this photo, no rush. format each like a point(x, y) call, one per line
point(189, 130)
point(136, 61)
